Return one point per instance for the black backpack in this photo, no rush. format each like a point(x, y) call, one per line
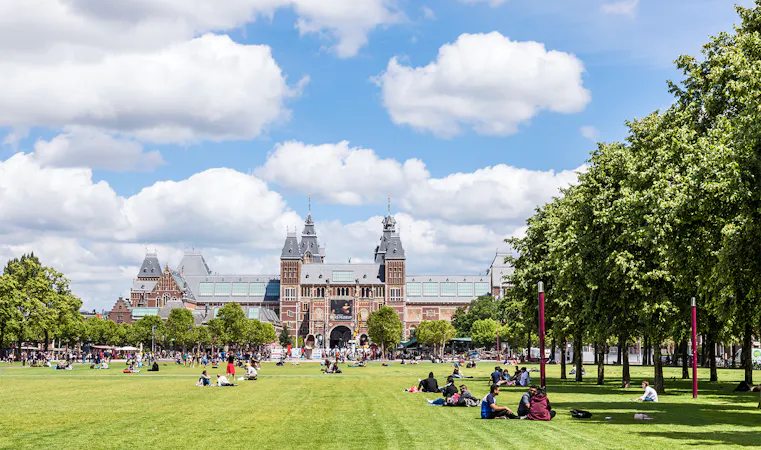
point(580, 414)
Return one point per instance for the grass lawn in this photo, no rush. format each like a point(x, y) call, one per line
point(299, 407)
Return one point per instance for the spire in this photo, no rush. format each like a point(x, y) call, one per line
point(309, 247)
point(389, 204)
point(310, 207)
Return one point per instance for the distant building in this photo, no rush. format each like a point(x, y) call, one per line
point(328, 304)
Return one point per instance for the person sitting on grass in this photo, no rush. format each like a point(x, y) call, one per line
point(251, 373)
point(496, 377)
point(650, 394)
point(524, 379)
point(429, 384)
point(466, 398)
point(154, 367)
point(447, 391)
point(223, 381)
point(540, 406)
point(525, 406)
point(204, 380)
point(490, 409)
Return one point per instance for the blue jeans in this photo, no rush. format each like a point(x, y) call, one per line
point(438, 401)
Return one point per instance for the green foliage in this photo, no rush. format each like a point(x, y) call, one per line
point(143, 330)
point(435, 333)
point(483, 307)
point(285, 337)
point(259, 333)
point(234, 323)
point(180, 327)
point(484, 333)
point(384, 327)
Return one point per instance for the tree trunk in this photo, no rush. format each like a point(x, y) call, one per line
point(625, 373)
point(734, 355)
point(552, 350)
point(646, 356)
point(528, 346)
point(596, 353)
point(712, 356)
point(600, 364)
point(579, 355)
point(685, 363)
point(747, 359)
point(562, 359)
point(47, 339)
point(619, 352)
point(703, 359)
point(659, 387)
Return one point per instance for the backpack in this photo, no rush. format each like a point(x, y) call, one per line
point(580, 414)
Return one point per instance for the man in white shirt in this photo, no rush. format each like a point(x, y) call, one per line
point(223, 381)
point(650, 395)
point(524, 379)
point(251, 372)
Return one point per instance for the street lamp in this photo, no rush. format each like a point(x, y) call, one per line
point(694, 349)
point(540, 287)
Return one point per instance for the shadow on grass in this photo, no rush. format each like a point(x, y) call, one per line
point(741, 438)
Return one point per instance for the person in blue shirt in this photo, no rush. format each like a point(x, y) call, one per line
point(490, 409)
point(496, 376)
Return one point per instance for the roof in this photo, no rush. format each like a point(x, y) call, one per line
point(169, 306)
point(323, 273)
point(271, 293)
point(151, 267)
point(143, 285)
point(450, 278)
point(202, 316)
point(193, 264)
point(441, 299)
point(290, 247)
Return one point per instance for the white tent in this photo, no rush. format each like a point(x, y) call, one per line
point(128, 348)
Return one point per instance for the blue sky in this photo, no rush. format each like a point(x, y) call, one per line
point(147, 125)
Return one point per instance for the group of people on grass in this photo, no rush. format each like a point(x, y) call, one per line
point(534, 405)
point(502, 377)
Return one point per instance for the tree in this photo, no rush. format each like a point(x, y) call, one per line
point(179, 327)
point(384, 327)
point(484, 332)
point(143, 330)
point(234, 322)
point(483, 307)
point(285, 337)
point(435, 333)
point(259, 333)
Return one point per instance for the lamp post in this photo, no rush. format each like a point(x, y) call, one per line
point(153, 339)
point(540, 287)
point(694, 349)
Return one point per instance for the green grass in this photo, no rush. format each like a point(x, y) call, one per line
point(299, 407)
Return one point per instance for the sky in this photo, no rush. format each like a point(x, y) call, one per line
point(168, 125)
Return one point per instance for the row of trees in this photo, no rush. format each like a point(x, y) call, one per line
point(671, 213)
point(36, 305)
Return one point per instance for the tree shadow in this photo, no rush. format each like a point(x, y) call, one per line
point(741, 438)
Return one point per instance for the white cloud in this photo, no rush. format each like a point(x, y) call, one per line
point(88, 148)
point(590, 132)
point(448, 225)
point(91, 26)
point(492, 3)
point(339, 173)
point(220, 206)
point(206, 88)
point(347, 21)
point(622, 8)
point(498, 193)
point(483, 81)
point(428, 13)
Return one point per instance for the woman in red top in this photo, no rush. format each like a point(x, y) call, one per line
point(231, 365)
point(540, 407)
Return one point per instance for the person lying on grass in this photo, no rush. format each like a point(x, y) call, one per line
point(490, 409)
point(223, 381)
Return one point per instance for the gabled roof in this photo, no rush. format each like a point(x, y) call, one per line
point(323, 273)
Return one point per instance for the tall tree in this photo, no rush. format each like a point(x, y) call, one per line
point(384, 327)
point(179, 327)
point(435, 333)
point(234, 321)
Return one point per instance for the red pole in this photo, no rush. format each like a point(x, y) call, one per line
point(694, 349)
point(541, 332)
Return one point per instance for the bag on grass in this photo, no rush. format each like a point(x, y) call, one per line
point(580, 414)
